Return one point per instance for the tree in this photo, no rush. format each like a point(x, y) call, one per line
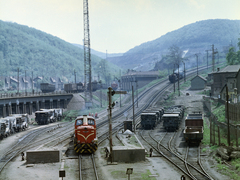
point(232, 56)
point(175, 55)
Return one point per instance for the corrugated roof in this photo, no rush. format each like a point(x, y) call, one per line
point(230, 68)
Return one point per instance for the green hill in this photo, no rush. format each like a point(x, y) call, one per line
point(46, 55)
point(196, 38)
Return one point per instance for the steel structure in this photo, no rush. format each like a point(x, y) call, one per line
point(87, 55)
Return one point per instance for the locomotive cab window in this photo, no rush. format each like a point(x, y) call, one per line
point(90, 122)
point(79, 122)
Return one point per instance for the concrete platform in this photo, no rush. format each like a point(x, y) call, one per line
point(132, 151)
point(47, 156)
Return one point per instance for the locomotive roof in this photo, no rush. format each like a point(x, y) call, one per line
point(80, 117)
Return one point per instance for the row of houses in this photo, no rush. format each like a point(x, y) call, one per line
point(228, 77)
point(11, 83)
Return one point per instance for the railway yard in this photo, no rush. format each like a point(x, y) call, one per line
point(167, 155)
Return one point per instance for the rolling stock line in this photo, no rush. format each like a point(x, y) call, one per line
point(20, 146)
point(25, 143)
point(83, 162)
point(164, 148)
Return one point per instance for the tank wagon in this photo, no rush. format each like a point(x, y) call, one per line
point(148, 120)
point(175, 76)
point(193, 131)
point(46, 87)
point(85, 135)
point(74, 87)
point(172, 117)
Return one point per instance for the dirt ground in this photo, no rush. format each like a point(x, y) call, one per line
point(152, 168)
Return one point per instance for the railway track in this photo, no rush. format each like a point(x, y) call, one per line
point(190, 166)
point(87, 167)
point(25, 143)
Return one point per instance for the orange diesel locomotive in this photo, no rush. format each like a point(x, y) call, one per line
point(85, 136)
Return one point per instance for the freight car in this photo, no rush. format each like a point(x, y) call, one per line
point(157, 111)
point(148, 120)
point(5, 128)
point(85, 135)
point(46, 87)
point(2, 129)
point(172, 117)
point(22, 121)
point(74, 87)
point(193, 131)
point(175, 76)
point(95, 86)
point(171, 121)
point(44, 116)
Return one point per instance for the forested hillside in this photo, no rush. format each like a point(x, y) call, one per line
point(196, 38)
point(46, 55)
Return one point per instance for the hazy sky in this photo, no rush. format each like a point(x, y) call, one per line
point(115, 25)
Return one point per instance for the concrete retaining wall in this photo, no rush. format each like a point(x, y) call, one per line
point(128, 155)
point(43, 157)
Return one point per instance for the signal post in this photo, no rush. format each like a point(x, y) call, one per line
point(111, 92)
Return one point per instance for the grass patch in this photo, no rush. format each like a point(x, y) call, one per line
point(219, 112)
point(145, 176)
point(134, 141)
point(118, 174)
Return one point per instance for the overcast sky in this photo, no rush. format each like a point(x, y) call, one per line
point(115, 25)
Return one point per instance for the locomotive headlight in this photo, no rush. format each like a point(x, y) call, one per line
point(78, 141)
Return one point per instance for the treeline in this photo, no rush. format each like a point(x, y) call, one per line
point(233, 56)
point(43, 54)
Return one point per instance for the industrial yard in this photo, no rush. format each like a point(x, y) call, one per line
point(152, 168)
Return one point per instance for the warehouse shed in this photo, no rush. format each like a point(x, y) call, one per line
point(198, 83)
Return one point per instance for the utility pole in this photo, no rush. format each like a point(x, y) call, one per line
point(137, 92)
point(228, 125)
point(213, 59)
point(207, 58)
point(133, 110)
point(178, 82)
point(87, 55)
point(75, 76)
point(18, 81)
point(25, 84)
point(174, 79)
point(184, 72)
point(32, 83)
point(197, 63)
